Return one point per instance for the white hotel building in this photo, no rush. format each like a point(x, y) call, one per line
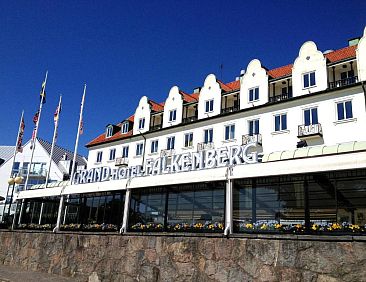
point(280, 150)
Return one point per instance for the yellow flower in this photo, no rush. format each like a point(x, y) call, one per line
point(249, 226)
point(314, 227)
point(278, 225)
point(264, 226)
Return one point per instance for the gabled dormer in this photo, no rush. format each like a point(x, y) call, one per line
point(209, 103)
point(361, 57)
point(142, 116)
point(254, 85)
point(111, 130)
point(126, 126)
point(173, 108)
point(309, 72)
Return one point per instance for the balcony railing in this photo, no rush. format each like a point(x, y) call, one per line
point(255, 138)
point(343, 82)
point(155, 127)
point(310, 130)
point(230, 109)
point(205, 146)
point(189, 119)
point(167, 152)
point(278, 98)
point(121, 161)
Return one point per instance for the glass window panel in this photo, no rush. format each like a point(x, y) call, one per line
point(340, 111)
point(348, 106)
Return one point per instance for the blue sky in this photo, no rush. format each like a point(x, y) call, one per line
point(124, 50)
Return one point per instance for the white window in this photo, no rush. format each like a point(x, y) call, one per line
point(125, 127)
point(253, 127)
point(154, 146)
point(208, 136)
point(254, 94)
point(311, 116)
point(209, 106)
point(188, 139)
point(99, 156)
point(173, 115)
point(125, 152)
point(309, 79)
point(280, 122)
point(112, 154)
point(170, 143)
point(141, 123)
point(109, 131)
point(139, 149)
point(344, 110)
point(230, 132)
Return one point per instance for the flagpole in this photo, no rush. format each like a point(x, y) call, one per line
point(78, 135)
point(53, 141)
point(34, 139)
point(36, 131)
point(12, 167)
point(58, 223)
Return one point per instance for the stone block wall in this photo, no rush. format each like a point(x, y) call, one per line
point(162, 258)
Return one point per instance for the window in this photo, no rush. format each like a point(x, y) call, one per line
point(309, 79)
point(109, 131)
point(209, 106)
point(125, 152)
point(173, 115)
point(170, 143)
point(311, 116)
point(99, 156)
point(139, 149)
point(154, 146)
point(254, 94)
point(230, 132)
point(112, 154)
point(188, 139)
point(344, 110)
point(208, 135)
point(280, 122)
point(125, 127)
point(141, 123)
point(347, 74)
point(253, 126)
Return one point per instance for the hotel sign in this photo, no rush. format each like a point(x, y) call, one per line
point(193, 161)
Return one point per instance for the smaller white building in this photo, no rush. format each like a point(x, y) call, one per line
point(60, 167)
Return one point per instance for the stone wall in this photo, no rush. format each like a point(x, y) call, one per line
point(164, 258)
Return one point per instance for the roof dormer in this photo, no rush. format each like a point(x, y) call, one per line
point(254, 85)
point(209, 103)
point(173, 108)
point(111, 130)
point(142, 116)
point(309, 72)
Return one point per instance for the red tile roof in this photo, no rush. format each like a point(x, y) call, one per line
point(341, 54)
point(281, 71)
point(187, 97)
point(335, 56)
point(156, 107)
point(234, 85)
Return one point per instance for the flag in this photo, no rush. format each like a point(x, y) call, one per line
point(35, 118)
point(33, 137)
point(56, 115)
point(42, 96)
point(81, 128)
point(20, 136)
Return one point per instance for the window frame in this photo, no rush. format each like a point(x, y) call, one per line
point(141, 123)
point(109, 131)
point(344, 111)
point(281, 129)
point(309, 73)
point(209, 106)
point(125, 127)
point(173, 115)
point(154, 144)
point(170, 142)
point(253, 94)
point(139, 149)
point(188, 142)
point(112, 154)
point(99, 157)
point(125, 150)
point(227, 134)
point(310, 109)
point(208, 135)
point(253, 121)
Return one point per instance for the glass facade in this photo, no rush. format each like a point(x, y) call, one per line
point(319, 202)
point(188, 207)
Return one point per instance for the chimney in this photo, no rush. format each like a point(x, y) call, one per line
point(353, 41)
point(242, 72)
point(196, 90)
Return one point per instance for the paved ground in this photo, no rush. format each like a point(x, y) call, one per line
point(11, 274)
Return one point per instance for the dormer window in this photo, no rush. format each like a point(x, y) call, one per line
point(109, 131)
point(209, 106)
point(141, 123)
point(254, 94)
point(173, 115)
point(309, 79)
point(125, 127)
